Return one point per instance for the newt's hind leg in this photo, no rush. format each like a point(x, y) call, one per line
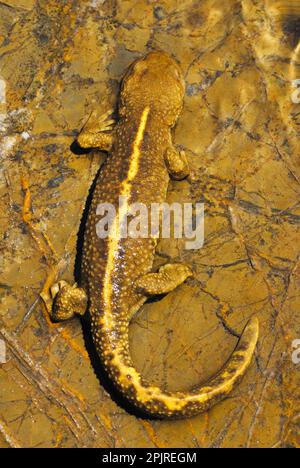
point(67, 301)
point(166, 280)
point(97, 132)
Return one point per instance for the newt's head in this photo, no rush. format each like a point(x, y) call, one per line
point(155, 81)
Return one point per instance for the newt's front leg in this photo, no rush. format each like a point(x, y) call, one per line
point(98, 132)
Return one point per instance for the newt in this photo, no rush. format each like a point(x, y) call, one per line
point(117, 274)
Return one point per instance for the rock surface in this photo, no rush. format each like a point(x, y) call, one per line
point(59, 60)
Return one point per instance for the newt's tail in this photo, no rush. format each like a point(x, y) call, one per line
point(154, 402)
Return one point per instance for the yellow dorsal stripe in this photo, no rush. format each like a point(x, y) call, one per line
point(135, 155)
point(125, 191)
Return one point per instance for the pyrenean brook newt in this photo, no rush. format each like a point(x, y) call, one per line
point(116, 272)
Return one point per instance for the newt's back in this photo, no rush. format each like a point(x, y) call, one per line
point(135, 170)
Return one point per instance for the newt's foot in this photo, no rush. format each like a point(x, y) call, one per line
point(166, 280)
point(98, 132)
point(177, 163)
point(67, 301)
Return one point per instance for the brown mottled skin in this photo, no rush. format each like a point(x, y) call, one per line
point(116, 274)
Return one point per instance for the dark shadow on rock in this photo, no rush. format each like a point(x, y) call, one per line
point(80, 235)
point(153, 299)
point(76, 149)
